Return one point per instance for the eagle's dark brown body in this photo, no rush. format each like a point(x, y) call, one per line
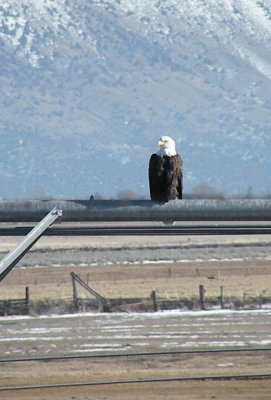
point(166, 177)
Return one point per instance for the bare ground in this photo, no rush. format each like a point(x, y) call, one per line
point(133, 266)
point(243, 274)
point(235, 390)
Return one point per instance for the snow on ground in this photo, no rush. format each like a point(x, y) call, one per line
point(88, 333)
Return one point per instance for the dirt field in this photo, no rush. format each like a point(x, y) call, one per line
point(133, 266)
point(237, 390)
point(130, 267)
point(99, 333)
point(241, 281)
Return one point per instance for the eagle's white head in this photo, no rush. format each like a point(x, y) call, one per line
point(166, 146)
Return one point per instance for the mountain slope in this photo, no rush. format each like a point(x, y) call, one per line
point(89, 86)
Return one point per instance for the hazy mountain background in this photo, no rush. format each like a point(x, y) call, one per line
point(88, 86)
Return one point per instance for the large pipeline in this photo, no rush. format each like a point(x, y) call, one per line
point(137, 210)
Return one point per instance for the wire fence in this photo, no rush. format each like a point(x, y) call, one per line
point(156, 379)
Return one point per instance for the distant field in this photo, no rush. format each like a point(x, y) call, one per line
point(123, 267)
point(133, 267)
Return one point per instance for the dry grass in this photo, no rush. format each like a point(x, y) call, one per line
point(87, 371)
point(240, 279)
point(235, 390)
point(172, 281)
point(177, 281)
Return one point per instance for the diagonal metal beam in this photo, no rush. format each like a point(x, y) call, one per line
point(101, 300)
point(15, 255)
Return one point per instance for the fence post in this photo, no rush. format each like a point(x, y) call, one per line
point(202, 297)
point(27, 294)
point(27, 298)
point(153, 297)
point(74, 292)
point(221, 297)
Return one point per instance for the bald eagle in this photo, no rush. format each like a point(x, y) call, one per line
point(166, 172)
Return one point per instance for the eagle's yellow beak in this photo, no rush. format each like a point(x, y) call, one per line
point(161, 143)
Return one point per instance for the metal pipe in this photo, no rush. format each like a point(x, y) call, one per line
point(138, 210)
point(15, 255)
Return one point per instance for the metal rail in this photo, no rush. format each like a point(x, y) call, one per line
point(138, 210)
point(136, 381)
point(139, 380)
point(137, 354)
point(142, 231)
point(15, 255)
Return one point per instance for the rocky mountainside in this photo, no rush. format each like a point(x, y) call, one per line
point(87, 88)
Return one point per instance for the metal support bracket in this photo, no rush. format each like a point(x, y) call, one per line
point(15, 255)
point(103, 303)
